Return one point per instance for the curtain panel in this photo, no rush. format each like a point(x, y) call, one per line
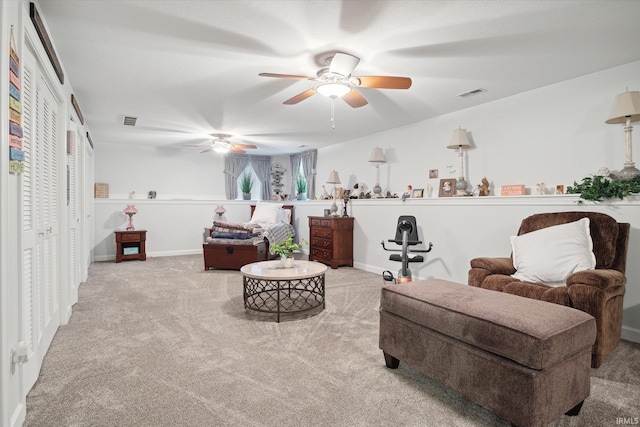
point(234, 164)
point(262, 167)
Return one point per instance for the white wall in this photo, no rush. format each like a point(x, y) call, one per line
point(173, 173)
point(556, 134)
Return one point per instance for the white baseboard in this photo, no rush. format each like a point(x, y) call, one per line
point(630, 334)
point(155, 254)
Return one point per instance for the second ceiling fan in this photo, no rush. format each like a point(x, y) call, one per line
point(336, 81)
point(221, 144)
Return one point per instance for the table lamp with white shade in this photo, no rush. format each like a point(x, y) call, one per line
point(377, 157)
point(460, 141)
point(334, 179)
point(626, 109)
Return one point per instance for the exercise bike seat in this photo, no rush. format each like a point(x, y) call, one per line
point(410, 258)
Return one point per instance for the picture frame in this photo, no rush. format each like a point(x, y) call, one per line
point(418, 193)
point(433, 173)
point(447, 187)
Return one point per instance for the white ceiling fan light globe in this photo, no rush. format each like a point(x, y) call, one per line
point(333, 90)
point(221, 147)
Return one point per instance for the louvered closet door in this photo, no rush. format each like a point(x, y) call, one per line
point(73, 255)
point(87, 207)
point(40, 228)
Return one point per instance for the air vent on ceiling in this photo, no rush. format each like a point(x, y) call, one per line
point(471, 93)
point(129, 121)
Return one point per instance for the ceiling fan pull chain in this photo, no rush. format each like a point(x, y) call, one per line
point(333, 122)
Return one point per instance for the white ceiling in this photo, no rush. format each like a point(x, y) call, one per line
point(187, 68)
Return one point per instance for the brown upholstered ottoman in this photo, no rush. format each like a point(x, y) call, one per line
point(525, 360)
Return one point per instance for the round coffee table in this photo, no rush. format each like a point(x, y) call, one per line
point(271, 288)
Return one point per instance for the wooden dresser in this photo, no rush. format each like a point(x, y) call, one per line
point(331, 240)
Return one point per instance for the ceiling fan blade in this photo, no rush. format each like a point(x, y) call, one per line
point(246, 146)
point(285, 76)
point(300, 97)
point(355, 99)
point(207, 150)
point(382, 82)
point(343, 64)
point(237, 150)
point(194, 145)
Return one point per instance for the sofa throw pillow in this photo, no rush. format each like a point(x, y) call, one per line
point(552, 254)
point(266, 212)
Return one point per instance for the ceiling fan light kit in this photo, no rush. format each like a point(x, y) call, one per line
point(333, 90)
point(335, 81)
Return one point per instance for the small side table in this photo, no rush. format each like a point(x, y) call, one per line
point(130, 244)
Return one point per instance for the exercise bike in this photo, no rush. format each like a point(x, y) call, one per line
point(406, 235)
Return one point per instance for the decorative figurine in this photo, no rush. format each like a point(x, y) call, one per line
point(407, 194)
point(541, 188)
point(483, 189)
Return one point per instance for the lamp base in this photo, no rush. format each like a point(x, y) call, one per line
point(334, 208)
point(461, 187)
point(627, 173)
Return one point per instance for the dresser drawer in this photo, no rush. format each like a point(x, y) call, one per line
point(131, 237)
point(321, 222)
point(324, 233)
point(322, 254)
point(318, 243)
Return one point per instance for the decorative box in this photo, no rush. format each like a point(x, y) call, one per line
point(101, 191)
point(512, 190)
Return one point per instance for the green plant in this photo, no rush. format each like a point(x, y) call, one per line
point(286, 246)
point(301, 183)
point(598, 188)
point(246, 182)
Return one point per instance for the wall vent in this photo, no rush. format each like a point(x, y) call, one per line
point(129, 121)
point(471, 93)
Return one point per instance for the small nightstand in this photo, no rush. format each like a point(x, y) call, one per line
point(331, 240)
point(130, 244)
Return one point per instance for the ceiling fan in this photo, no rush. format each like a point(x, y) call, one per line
point(335, 81)
point(221, 144)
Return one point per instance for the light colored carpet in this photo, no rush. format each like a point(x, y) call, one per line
point(164, 343)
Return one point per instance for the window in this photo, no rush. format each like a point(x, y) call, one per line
point(300, 183)
point(255, 188)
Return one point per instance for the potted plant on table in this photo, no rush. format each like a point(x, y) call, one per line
point(301, 186)
point(285, 248)
point(246, 183)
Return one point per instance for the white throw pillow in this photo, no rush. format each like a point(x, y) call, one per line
point(552, 254)
point(266, 212)
point(285, 216)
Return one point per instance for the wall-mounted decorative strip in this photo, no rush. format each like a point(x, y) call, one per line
point(76, 107)
point(89, 139)
point(46, 41)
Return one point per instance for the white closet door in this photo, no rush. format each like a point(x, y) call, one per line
point(40, 231)
point(73, 255)
point(88, 208)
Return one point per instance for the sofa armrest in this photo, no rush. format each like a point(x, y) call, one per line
point(494, 265)
point(601, 278)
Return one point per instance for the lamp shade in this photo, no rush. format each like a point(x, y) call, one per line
point(333, 178)
point(627, 104)
point(333, 90)
point(130, 210)
point(377, 156)
point(460, 139)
